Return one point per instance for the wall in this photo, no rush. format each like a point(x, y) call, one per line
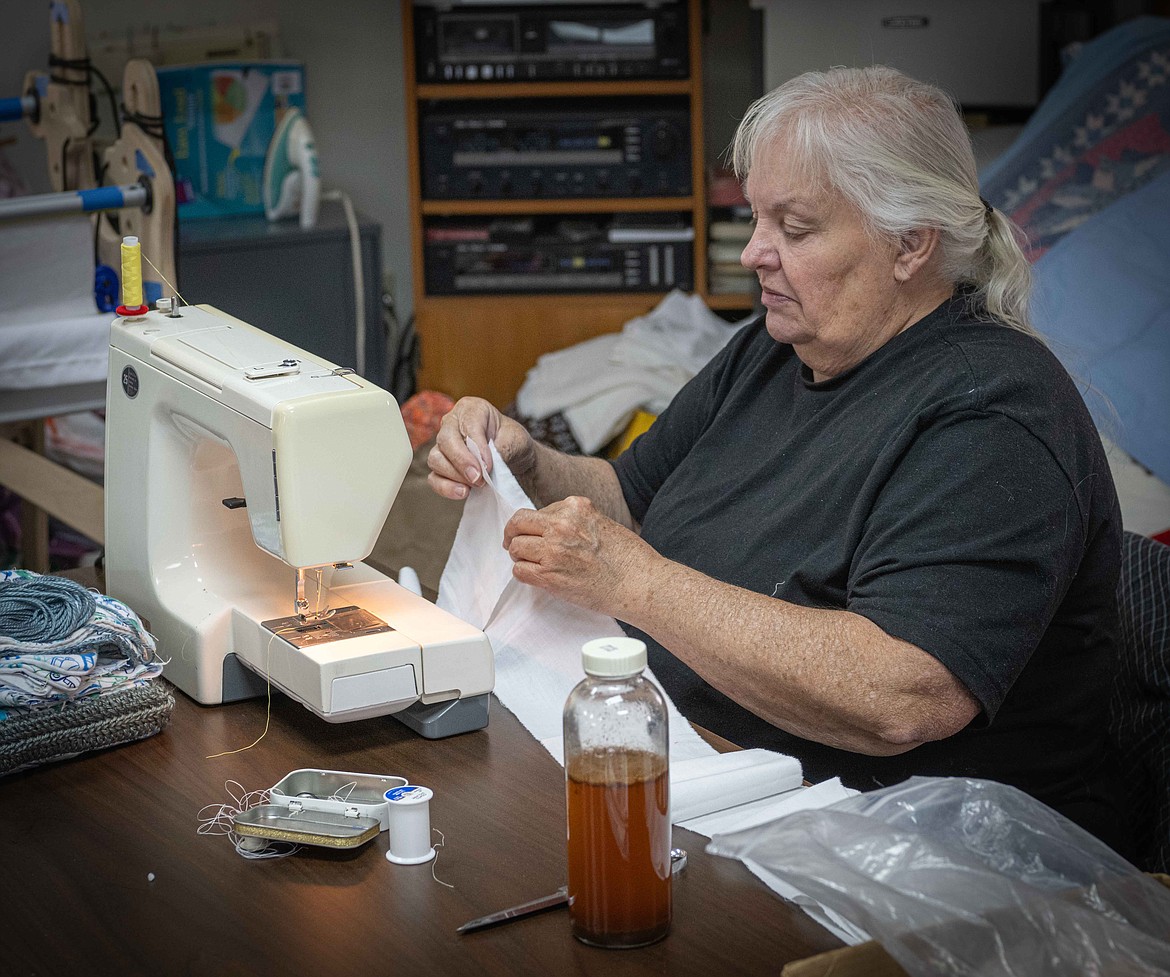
point(984, 53)
point(353, 56)
point(733, 70)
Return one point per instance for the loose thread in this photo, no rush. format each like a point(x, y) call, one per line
point(162, 276)
point(442, 844)
point(268, 714)
point(220, 821)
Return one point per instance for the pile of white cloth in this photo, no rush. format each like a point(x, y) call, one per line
point(598, 384)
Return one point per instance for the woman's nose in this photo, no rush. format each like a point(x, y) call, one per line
point(757, 254)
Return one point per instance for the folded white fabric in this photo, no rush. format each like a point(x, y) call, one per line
point(537, 641)
point(600, 383)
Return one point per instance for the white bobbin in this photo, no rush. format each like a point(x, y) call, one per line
point(409, 825)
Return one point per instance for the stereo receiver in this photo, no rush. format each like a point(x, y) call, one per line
point(547, 254)
point(550, 43)
point(501, 151)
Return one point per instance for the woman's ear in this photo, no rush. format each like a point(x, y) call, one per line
point(918, 245)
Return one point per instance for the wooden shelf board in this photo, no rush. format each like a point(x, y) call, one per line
point(730, 302)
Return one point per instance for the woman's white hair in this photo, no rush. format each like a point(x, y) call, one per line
point(898, 150)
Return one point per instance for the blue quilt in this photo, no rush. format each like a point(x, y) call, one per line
point(1088, 180)
point(1102, 132)
point(1102, 300)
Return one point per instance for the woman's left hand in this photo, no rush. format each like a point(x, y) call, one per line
point(576, 553)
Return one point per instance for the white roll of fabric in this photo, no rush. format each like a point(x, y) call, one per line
point(51, 333)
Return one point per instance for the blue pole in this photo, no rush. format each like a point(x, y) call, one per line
point(85, 201)
point(12, 109)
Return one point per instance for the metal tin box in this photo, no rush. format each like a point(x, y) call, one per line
point(336, 792)
point(326, 829)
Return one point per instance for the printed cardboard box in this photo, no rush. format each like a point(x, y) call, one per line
point(219, 120)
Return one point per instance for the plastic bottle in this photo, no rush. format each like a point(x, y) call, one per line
point(618, 792)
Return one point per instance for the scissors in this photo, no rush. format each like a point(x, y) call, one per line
point(678, 861)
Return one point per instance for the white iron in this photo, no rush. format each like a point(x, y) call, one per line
point(292, 180)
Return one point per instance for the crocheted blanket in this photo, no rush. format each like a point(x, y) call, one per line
point(46, 735)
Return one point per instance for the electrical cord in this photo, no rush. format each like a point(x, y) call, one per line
point(359, 278)
point(86, 67)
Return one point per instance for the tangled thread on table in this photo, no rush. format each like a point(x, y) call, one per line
point(219, 819)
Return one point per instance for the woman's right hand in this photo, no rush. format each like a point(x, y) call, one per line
point(454, 468)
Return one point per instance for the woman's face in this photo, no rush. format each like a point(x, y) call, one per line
point(828, 284)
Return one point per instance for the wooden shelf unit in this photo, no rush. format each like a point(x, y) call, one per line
point(484, 345)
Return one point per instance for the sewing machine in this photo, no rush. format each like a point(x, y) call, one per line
point(245, 481)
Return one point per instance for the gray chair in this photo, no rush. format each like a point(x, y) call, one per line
point(1140, 700)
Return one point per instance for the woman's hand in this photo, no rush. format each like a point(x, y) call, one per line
point(578, 554)
point(454, 468)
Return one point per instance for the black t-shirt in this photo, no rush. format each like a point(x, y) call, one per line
point(952, 488)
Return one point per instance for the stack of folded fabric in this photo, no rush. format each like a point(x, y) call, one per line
point(76, 672)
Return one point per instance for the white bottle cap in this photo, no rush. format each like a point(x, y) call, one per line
point(613, 657)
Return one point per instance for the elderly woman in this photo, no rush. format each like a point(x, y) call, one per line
point(877, 531)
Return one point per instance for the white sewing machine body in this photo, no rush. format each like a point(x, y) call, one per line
point(237, 462)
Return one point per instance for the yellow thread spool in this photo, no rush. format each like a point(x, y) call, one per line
point(131, 273)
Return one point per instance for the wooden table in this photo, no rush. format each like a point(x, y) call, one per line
point(81, 838)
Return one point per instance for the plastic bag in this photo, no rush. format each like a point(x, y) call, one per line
point(969, 877)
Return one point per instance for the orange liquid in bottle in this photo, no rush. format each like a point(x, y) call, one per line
point(619, 848)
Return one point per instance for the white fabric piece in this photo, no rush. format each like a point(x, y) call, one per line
point(536, 637)
point(600, 383)
point(50, 331)
point(738, 778)
point(537, 641)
